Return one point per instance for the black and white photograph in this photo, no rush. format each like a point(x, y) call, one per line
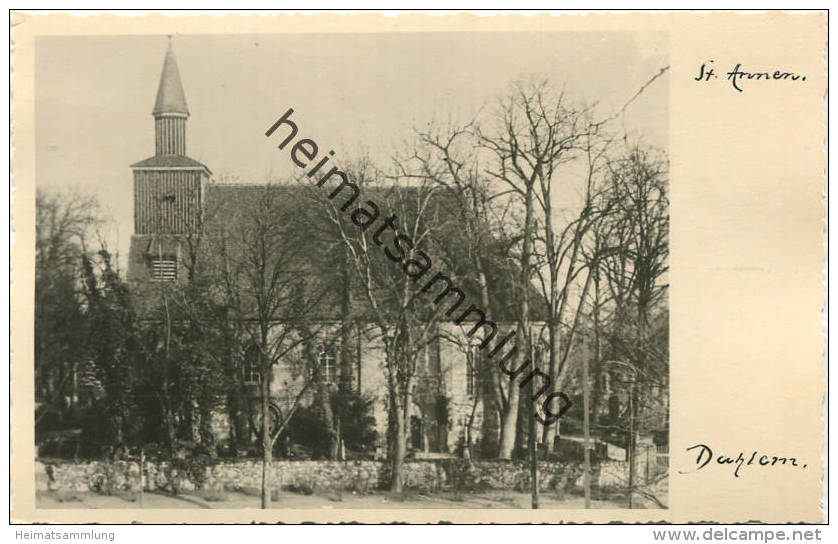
point(359, 271)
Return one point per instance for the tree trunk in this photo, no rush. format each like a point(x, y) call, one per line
point(194, 421)
point(207, 434)
point(532, 447)
point(120, 434)
point(596, 397)
point(346, 353)
point(490, 430)
point(633, 406)
point(586, 431)
point(485, 389)
point(399, 449)
point(509, 425)
point(168, 417)
point(468, 451)
point(556, 314)
point(632, 443)
point(510, 417)
point(329, 422)
point(266, 439)
point(166, 399)
point(399, 400)
point(553, 333)
point(171, 433)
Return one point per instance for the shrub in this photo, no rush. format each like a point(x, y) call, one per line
point(196, 469)
point(188, 467)
point(97, 482)
point(357, 426)
point(460, 475)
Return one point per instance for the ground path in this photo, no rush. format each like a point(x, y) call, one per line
point(494, 499)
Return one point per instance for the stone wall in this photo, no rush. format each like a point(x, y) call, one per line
point(611, 475)
point(303, 476)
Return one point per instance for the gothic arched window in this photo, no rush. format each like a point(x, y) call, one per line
point(327, 363)
point(251, 370)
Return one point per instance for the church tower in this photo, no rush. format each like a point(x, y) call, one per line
point(168, 187)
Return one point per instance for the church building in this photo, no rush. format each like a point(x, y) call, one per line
point(172, 192)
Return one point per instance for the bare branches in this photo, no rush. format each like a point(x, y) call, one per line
point(63, 225)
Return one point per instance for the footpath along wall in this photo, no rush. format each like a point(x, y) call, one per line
point(311, 476)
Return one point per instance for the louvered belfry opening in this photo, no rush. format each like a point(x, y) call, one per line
point(164, 268)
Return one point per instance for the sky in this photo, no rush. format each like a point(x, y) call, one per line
point(350, 92)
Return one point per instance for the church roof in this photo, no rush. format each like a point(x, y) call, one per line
point(170, 161)
point(170, 97)
point(311, 248)
point(230, 202)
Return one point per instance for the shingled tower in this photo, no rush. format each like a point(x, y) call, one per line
point(168, 187)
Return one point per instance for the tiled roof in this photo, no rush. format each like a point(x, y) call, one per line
point(230, 201)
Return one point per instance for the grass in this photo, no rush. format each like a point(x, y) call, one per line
point(213, 495)
point(66, 496)
point(250, 491)
point(129, 496)
point(382, 499)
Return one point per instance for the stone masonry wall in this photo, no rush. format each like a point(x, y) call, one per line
point(304, 476)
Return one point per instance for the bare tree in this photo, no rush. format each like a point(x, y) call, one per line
point(260, 272)
point(535, 133)
point(403, 319)
point(634, 268)
point(448, 157)
point(64, 225)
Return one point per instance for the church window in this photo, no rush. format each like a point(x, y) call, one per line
point(251, 371)
point(326, 364)
point(164, 268)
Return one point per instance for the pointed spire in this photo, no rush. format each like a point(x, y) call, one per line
point(170, 97)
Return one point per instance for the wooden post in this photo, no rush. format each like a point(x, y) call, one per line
point(631, 446)
point(586, 392)
point(531, 434)
point(586, 427)
point(142, 476)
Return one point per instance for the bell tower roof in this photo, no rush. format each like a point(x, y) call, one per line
point(170, 97)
